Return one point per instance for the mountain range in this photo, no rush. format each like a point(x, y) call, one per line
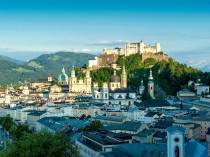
point(12, 71)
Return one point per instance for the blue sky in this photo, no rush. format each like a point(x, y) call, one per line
point(46, 26)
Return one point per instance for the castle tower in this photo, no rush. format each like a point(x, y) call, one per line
point(175, 141)
point(141, 47)
point(123, 78)
point(151, 85)
point(158, 49)
point(141, 87)
point(49, 77)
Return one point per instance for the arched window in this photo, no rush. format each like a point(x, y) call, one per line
point(177, 151)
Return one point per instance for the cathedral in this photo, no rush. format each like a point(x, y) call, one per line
point(80, 85)
point(114, 92)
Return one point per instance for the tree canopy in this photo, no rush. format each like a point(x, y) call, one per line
point(42, 144)
point(93, 126)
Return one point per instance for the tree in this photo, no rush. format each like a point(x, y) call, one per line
point(7, 122)
point(83, 116)
point(93, 126)
point(17, 131)
point(42, 144)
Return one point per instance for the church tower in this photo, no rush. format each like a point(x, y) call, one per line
point(175, 141)
point(123, 78)
point(87, 81)
point(72, 80)
point(105, 91)
point(151, 85)
point(25, 88)
point(49, 77)
point(7, 97)
point(141, 87)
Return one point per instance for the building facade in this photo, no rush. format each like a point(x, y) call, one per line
point(80, 85)
point(133, 48)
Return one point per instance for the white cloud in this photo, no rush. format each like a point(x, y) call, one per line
point(109, 43)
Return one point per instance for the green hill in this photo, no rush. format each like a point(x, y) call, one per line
point(169, 76)
point(5, 58)
point(11, 72)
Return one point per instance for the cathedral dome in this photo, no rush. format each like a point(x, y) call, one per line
point(63, 77)
point(114, 78)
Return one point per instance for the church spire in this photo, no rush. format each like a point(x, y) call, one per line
point(63, 70)
point(72, 72)
point(123, 77)
point(150, 75)
point(123, 70)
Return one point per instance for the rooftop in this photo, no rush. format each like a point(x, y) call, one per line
point(138, 150)
point(107, 138)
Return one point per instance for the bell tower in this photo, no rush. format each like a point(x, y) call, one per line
point(151, 85)
point(72, 80)
point(123, 83)
point(87, 81)
point(175, 141)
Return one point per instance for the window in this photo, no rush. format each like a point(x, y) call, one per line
point(105, 95)
point(112, 85)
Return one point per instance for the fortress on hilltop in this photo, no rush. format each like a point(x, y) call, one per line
point(110, 56)
point(133, 48)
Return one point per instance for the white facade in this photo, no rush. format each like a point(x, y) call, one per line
point(25, 91)
point(133, 48)
point(93, 62)
point(175, 143)
point(82, 85)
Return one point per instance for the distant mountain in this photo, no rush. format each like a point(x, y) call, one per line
point(53, 63)
point(11, 59)
point(203, 65)
point(13, 72)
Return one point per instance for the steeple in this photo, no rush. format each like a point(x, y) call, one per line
point(141, 87)
point(142, 82)
point(72, 72)
point(123, 70)
point(63, 70)
point(150, 75)
point(123, 77)
point(151, 85)
point(114, 72)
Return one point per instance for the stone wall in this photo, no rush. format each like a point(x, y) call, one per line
point(156, 56)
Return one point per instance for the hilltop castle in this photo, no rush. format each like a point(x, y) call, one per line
point(133, 48)
point(110, 56)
